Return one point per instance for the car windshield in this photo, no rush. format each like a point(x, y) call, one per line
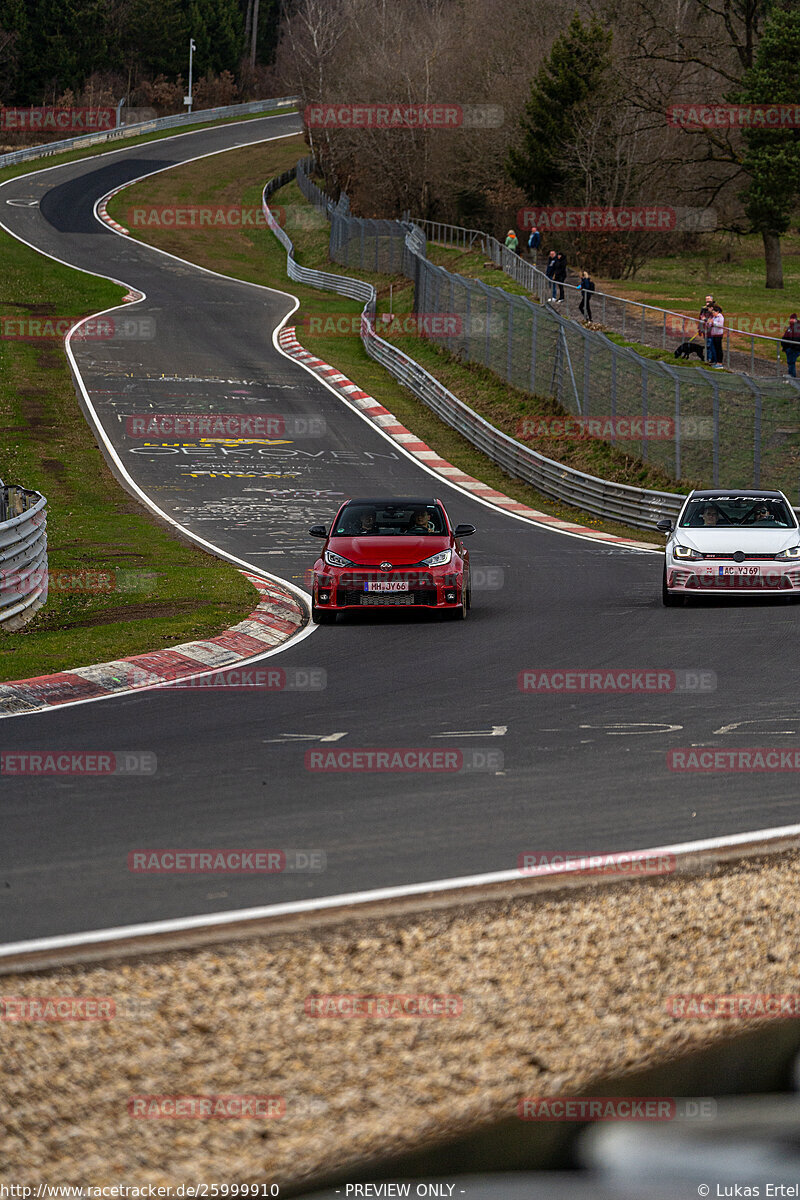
point(745, 512)
point(365, 520)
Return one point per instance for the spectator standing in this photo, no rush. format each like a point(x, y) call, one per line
point(717, 328)
point(586, 287)
point(549, 272)
point(704, 327)
point(534, 242)
point(560, 274)
point(512, 241)
point(791, 345)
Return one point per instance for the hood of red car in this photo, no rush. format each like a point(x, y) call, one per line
point(398, 550)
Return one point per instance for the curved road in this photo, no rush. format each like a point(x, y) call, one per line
point(579, 773)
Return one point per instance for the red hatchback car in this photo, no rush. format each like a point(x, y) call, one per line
point(391, 553)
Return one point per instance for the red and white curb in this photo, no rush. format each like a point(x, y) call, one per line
point(101, 211)
point(389, 425)
point(277, 617)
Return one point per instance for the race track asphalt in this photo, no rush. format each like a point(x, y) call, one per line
point(579, 773)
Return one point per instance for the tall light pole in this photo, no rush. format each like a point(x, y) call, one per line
point(255, 34)
point(188, 99)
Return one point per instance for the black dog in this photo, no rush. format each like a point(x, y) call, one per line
point(687, 348)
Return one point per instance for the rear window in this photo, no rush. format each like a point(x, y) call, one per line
point(370, 519)
point(746, 512)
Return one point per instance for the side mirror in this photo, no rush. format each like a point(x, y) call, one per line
point(665, 526)
point(318, 531)
point(464, 530)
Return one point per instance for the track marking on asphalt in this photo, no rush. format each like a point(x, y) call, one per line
point(305, 737)
point(756, 721)
point(632, 728)
point(495, 731)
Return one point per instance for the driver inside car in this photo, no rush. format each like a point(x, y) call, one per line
point(421, 522)
point(709, 515)
point(363, 523)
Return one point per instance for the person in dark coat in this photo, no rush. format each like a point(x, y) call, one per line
point(791, 345)
point(586, 287)
point(560, 274)
point(550, 272)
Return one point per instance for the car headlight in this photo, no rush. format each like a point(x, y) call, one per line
point(438, 560)
point(792, 552)
point(336, 560)
point(686, 552)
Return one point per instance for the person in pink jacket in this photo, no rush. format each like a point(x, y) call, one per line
point(716, 332)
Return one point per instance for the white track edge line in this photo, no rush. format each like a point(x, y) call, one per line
point(206, 920)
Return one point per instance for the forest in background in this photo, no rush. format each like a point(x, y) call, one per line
point(583, 86)
point(94, 52)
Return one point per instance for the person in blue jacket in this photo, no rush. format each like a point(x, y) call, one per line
point(534, 242)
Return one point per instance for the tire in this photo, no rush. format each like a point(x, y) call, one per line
point(460, 613)
point(667, 598)
point(322, 616)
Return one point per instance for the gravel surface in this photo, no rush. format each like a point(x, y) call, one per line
point(552, 993)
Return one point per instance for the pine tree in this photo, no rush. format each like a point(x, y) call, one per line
point(216, 26)
point(67, 43)
point(153, 38)
point(575, 69)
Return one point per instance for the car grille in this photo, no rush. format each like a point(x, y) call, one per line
point(355, 596)
point(746, 557)
point(742, 583)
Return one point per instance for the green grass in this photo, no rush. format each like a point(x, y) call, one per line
point(731, 268)
point(257, 256)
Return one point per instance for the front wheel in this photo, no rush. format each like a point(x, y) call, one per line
point(667, 598)
point(460, 613)
point(322, 616)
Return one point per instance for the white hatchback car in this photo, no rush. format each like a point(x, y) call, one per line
point(726, 541)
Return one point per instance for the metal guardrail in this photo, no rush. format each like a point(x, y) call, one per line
point(23, 555)
point(614, 501)
point(632, 319)
point(126, 131)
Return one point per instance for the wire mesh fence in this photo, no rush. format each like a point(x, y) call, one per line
point(743, 350)
point(707, 427)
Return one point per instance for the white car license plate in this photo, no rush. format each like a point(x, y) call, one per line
point(731, 570)
point(387, 586)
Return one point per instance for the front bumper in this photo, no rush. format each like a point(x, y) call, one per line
point(754, 577)
point(342, 589)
